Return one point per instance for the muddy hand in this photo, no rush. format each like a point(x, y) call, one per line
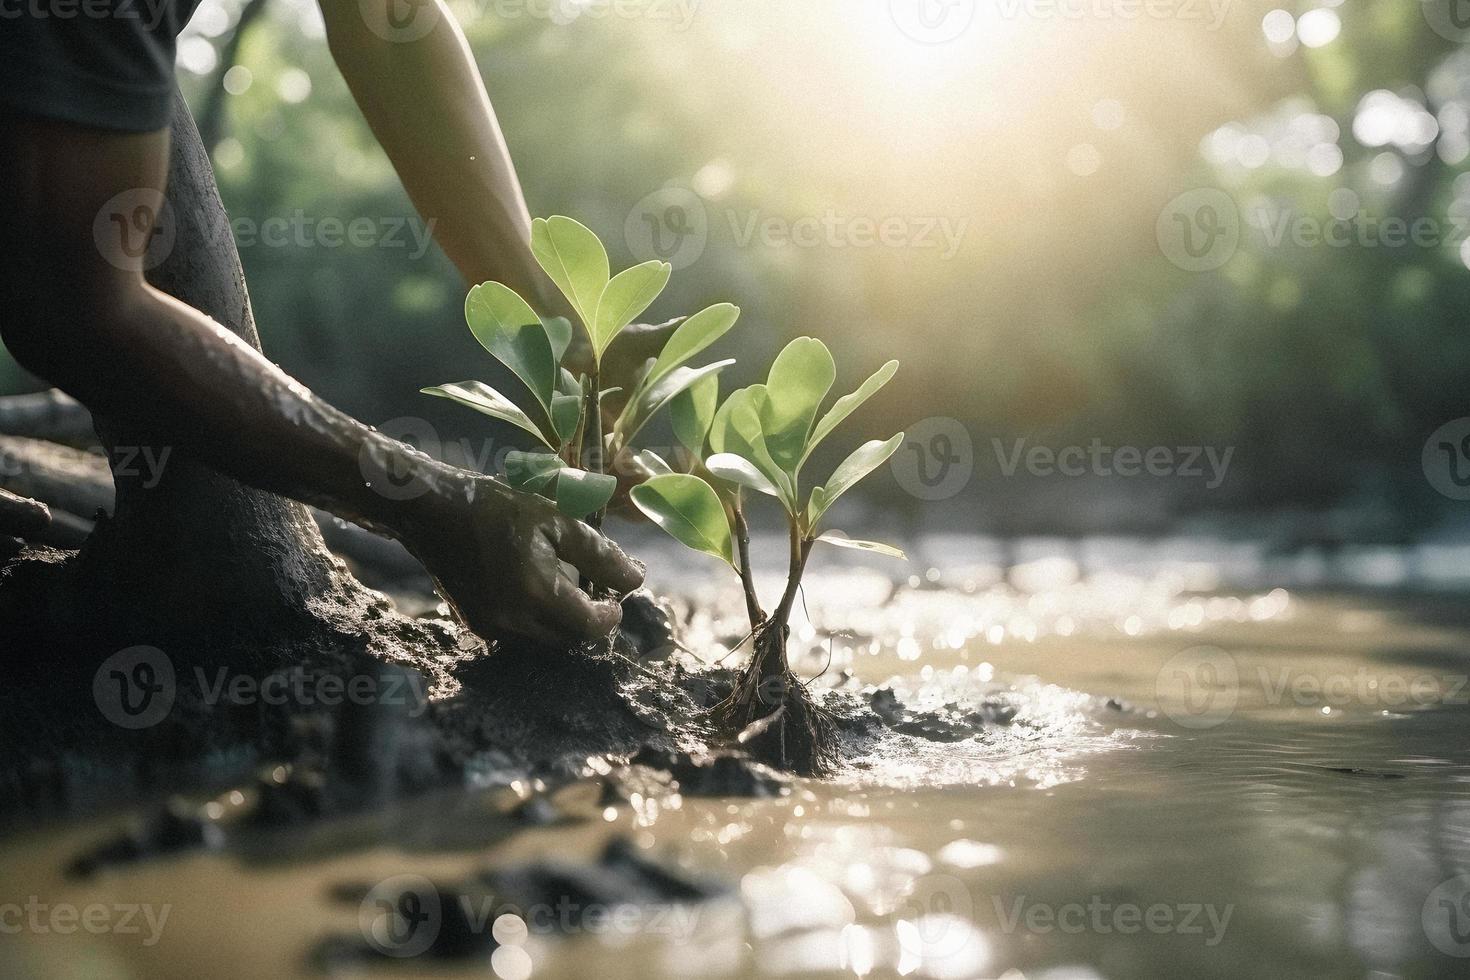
point(496, 554)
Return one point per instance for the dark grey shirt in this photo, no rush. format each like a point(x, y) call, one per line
point(108, 64)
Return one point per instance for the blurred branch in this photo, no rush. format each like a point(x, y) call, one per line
point(50, 415)
point(211, 118)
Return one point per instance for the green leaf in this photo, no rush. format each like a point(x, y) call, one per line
point(575, 260)
point(741, 471)
point(511, 331)
point(877, 547)
point(692, 336)
point(648, 400)
point(690, 511)
point(566, 412)
point(847, 404)
point(483, 398)
point(737, 429)
point(559, 333)
point(567, 383)
point(579, 493)
point(531, 472)
point(864, 460)
point(653, 462)
point(693, 410)
point(628, 294)
point(799, 379)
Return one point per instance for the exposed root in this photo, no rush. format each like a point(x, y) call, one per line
point(771, 714)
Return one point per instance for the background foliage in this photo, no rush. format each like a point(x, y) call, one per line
point(1054, 143)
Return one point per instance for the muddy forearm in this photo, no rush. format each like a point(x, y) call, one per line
point(174, 374)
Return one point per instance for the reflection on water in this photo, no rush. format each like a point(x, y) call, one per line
point(1182, 772)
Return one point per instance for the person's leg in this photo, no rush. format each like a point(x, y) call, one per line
point(236, 547)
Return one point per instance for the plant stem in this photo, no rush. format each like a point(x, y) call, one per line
point(747, 577)
point(593, 418)
point(801, 549)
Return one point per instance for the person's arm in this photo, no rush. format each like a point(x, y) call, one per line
point(426, 103)
point(92, 325)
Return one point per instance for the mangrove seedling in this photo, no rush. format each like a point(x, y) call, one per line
point(759, 440)
point(566, 414)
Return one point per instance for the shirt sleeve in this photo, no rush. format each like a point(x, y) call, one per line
point(106, 64)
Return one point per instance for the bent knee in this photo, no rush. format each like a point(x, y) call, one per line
point(48, 317)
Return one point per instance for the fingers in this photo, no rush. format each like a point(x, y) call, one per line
point(21, 515)
point(577, 615)
point(597, 557)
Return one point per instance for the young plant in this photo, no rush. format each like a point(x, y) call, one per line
point(759, 440)
point(566, 414)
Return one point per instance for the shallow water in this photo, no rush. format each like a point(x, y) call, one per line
point(1189, 773)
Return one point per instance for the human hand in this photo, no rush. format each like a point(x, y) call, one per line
point(496, 556)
